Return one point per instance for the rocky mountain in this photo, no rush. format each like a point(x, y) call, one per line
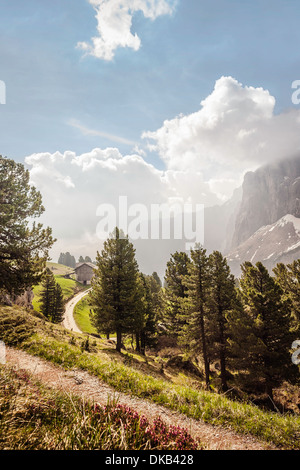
point(269, 193)
point(270, 244)
point(262, 220)
point(219, 223)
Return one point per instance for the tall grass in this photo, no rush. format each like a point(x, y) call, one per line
point(282, 431)
point(35, 418)
point(53, 343)
point(82, 316)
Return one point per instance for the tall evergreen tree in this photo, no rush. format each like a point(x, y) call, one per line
point(48, 295)
point(221, 300)
point(175, 292)
point(260, 330)
point(24, 244)
point(157, 278)
point(194, 332)
point(67, 260)
point(59, 309)
point(288, 278)
point(149, 305)
point(115, 297)
point(52, 302)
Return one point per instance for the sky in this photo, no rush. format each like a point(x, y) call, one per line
point(155, 100)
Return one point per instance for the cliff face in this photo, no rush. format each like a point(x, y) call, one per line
point(219, 223)
point(270, 244)
point(269, 194)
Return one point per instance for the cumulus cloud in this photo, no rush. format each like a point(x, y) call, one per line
point(235, 130)
point(114, 22)
point(206, 155)
point(73, 188)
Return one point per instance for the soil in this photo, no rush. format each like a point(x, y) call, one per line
point(91, 388)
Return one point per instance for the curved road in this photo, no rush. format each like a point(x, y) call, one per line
point(68, 321)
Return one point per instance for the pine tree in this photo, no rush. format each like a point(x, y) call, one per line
point(221, 300)
point(288, 278)
point(175, 292)
point(260, 330)
point(149, 303)
point(157, 278)
point(194, 332)
point(52, 302)
point(58, 310)
point(24, 244)
point(114, 297)
point(48, 295)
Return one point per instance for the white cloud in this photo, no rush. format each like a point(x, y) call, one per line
point(206, 154)
point(235, 130)
point(114, 22)
point(74, 186)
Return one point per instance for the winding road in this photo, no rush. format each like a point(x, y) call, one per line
point(68, 321)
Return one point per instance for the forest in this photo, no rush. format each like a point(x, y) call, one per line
point(240, 330)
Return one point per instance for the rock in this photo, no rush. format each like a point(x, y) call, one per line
point(271, 244)
point(269, 194)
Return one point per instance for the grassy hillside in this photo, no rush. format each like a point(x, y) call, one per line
point(69, 286)
point(82, 317)
point(34, 417)
point(143, 377)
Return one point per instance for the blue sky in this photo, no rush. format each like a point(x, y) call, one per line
point(200, 94)
point(49, 82)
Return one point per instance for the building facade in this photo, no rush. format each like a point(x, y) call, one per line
point(84, 272)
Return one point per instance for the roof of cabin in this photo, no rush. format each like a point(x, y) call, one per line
point(91, 265)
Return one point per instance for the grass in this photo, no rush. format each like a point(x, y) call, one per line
point(34, 417)
point(59, 269)
point(82, 317)
point(69, 286)
point(143, 380)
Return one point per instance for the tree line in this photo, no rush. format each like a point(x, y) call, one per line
point(246, 326)
point(69, 260)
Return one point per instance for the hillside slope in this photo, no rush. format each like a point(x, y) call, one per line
point(180, 396)
point(271, 244)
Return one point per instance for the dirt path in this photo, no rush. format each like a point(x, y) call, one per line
point(68, 321)
point(90, 388)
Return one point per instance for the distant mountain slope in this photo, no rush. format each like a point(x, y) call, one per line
point(269, 193)
point(270, 244)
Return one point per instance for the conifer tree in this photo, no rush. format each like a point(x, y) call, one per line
point(288, 278)
point(194, 332)
point(150, 290)
point(52, 302)
point(115, 297)
point(48, 294)
point(260, 335)
point(175, 292)
point(221, 300)
point(24, 244)
point(58, 311)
